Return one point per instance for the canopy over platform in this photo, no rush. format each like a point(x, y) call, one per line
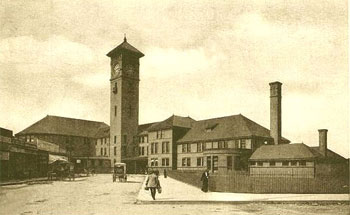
point(59, 158)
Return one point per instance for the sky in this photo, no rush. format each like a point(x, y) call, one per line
point(203, 59)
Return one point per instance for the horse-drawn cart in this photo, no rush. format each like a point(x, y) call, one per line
point(119, 171)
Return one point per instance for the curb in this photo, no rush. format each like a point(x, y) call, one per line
point(21, 182)
point(313, 202)
point(38, 180)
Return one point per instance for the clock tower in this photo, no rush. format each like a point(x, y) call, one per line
point(124, 101)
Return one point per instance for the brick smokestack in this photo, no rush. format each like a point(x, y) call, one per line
point(323, 141)
point(276, 112)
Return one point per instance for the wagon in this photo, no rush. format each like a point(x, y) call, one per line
point(119, 171)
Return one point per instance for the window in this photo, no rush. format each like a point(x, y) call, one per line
point(115, 110)
point(293, 163)
point(154, 162)
point(165, 147)
point(184, 148)
point(229, 162)
point(115, 88)
point(147, 150)
point(160, 134)
point(142, 150)
point(105, 151)
point(260, 163)
point(243, 143)
point(252, 163)
point(186, 161)
point(208, 145)
point(200, 161)
point(285, 163)
point(189, 147)
point(152, 148)
point(199, 147)
point(115, 150)
point(155, 148)
point(222, 144)
point(209, 162)
point(101, 151)
point(215, 163)
point(215, 145)
point(115, 139)
point(272, 163)
point(302, 163)
point(236, 144)
point(165, 161)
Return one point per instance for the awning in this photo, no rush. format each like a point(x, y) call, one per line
point(53, 158)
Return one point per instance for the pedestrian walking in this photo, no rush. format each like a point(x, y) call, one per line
point(153, 182)
point(165, 173)
point(205, 181)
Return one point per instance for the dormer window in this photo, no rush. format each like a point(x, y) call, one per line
point(210, 127)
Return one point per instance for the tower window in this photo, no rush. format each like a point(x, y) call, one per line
point(115, 139)
point(115, 88)
point(115, 110)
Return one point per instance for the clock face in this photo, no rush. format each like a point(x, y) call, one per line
point(117, 69)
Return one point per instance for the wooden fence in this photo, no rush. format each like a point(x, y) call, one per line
point(243, 183)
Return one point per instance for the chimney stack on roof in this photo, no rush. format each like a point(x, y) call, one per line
point(323, 141)
point(276, 112)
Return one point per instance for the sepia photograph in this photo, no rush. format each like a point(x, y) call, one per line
point(174, 107)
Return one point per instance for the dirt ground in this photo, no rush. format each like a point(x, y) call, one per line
point(99, 195)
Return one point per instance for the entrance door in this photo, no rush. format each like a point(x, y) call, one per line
point(209, 163)
point(215, 163)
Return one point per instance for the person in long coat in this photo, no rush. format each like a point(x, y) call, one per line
point(205, 181)
point(152, 183)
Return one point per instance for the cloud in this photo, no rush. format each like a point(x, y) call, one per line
point(32, 55)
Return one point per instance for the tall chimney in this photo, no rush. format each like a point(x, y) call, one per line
point(275, 111)
point(323, 141)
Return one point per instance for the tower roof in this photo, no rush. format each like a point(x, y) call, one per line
point(125, 46)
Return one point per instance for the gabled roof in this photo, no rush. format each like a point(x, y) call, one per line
point(224, 128)
point(173, 121)
point(105, 131)
point(330, 154)
point(64, 126)
point(142, 129)
point(102, 132)
point(283, 152)
point(125, 46)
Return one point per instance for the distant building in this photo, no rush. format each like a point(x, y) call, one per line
point(75, 137)
point(297, 160)
point(25, 159)
point(221, 144)
point(162, 139)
